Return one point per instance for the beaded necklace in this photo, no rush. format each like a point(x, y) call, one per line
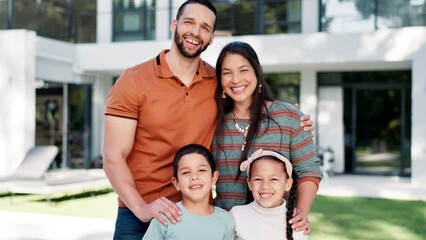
point(244, 131)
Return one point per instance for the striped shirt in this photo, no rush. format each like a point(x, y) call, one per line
point(283, 135)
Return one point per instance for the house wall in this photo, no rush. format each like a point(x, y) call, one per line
point(17, 105)
point(418, 126)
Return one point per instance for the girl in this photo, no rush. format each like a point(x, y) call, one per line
point(269, 177)
point(249, 118)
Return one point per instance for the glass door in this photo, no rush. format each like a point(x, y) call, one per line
point(79, 125)
point(381, 131)
point(63, 118)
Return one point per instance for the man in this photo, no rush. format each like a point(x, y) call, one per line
point(153, 110)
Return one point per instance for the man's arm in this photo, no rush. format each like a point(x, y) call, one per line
point(118, 142)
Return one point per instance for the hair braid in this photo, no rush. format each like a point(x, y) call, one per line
point(291, 203)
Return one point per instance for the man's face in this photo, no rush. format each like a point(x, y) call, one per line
point(193, 32)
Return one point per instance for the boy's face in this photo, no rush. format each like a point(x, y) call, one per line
point(268, 182)
point(194, 178)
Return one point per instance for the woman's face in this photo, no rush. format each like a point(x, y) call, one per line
point(238, 79)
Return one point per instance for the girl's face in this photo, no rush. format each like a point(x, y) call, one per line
point(268, 182)
point(194, 178)
point(238, 78)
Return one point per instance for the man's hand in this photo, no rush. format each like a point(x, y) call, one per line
point(161, 206)
point(300, 222)
point(307, 123)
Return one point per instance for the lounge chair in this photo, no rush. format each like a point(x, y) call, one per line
point(33, 177)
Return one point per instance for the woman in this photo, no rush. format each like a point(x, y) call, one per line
point(249, 118)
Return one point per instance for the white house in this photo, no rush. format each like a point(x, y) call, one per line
point(362, 80)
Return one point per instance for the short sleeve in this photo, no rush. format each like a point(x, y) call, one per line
point(156, 231)
point(123, 98)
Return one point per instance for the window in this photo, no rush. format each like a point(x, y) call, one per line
point(258, 17)
point(134, 20)
point(370, 15)
point(285, 86)
point(3, 14)
point(73, 21)
point(84, 21)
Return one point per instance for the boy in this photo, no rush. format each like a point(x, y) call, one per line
point(194, 174)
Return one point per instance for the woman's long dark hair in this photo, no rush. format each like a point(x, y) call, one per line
point(261, 94)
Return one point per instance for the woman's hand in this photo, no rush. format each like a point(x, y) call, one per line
point(300, 222)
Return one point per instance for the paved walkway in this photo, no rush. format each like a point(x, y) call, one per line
point(26, 226)
point(372, 186)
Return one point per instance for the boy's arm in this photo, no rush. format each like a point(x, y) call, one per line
point(156, 231)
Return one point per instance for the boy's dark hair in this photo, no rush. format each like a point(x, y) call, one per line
point(193, 148)
point(205, 3)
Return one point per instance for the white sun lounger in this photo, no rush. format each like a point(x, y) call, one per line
point(32, 176)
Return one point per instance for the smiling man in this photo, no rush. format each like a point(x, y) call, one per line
point(153, 110)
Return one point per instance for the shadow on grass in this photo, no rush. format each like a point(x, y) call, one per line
point(9, 194)
point(5, 194)
point(68, 197)
point(368, 218)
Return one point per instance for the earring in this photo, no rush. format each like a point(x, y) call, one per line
point(223, 94)
point(260, 88)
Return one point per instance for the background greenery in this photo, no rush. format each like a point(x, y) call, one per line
point(338, 218)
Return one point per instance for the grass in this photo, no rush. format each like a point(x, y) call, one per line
point(101, 203)
point(366, 218)
point(332, 218)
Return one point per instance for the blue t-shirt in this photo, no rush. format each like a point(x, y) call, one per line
point(219, 225)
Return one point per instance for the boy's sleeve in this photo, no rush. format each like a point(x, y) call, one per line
point(156, 231)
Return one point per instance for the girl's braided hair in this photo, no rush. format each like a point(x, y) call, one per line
point(291, 203)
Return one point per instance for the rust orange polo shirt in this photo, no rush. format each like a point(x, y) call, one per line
point(169, 116)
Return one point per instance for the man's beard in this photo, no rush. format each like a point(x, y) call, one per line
point(183, 51)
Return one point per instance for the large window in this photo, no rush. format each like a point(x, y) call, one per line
point(370, 15)
point(134, 20)
point(3, 14)
point(285, 86)
point(377, 120)
point(247, 17)
point(67, 20)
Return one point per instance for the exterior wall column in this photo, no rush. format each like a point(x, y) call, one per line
point(162, 20)
point(418, 126)
point(308, 93)
point(310, 16)
point(17, 107)
point(104, 21)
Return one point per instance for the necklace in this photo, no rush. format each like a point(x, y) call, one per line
point(244, 131)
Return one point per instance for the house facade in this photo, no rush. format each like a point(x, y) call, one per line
point(357, 67)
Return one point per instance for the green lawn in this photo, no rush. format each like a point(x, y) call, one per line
point(100, 203)
point(366, 218)
point(331, 218)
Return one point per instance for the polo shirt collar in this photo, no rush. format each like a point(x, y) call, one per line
point(162, 69)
